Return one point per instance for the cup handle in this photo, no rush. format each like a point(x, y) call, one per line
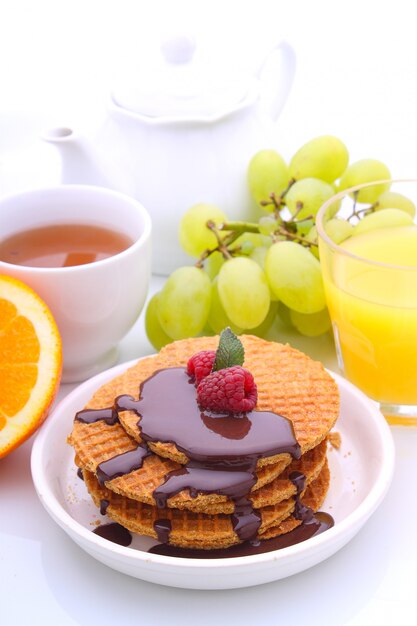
point(276, 75)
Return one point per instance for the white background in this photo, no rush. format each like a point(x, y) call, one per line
point(356, 74)
point(356, 78)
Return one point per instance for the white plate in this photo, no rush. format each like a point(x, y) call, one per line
point(361, 473)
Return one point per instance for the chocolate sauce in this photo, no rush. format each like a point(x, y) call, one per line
point(233, 482)
point(225, 427)
point(104, 504)
point(301, 512)
point(115, 533)
point(298, 480)
point(245, 520)
point(198, 478)
point(223, 449)
point(163, 529)
point(80, 473)
point(121, 464)
point(169, 412)
point(320, 523)
point(89, 416)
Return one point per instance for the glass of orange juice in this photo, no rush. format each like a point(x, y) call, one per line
point(368, 252)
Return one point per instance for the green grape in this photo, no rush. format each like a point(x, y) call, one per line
point(184, 303)
point(312, 237)
point(395, 200)
point(262, 329)
point(324, 157)
point(366, 171)
point(194, 236)
point(295, 277)
point(254, 238)
point(266, 241)
point(338, 229)
point(154, 331)
point(246, 243)
point(259, 256)
point(247, 240)
point(267, 225)
point(246, 248)
point(267, 173)
point(207, 331)
point(283, 315)
point(306, 196)
point(217, 318)
point(311, 325)
point(244, 292)
point(383, 219)
point(213, 264)
point(304, 226)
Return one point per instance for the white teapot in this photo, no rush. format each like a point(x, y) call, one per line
point(180, 134)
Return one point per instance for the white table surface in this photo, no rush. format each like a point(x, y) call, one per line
point(357, 64)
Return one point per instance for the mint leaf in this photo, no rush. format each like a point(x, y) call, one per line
point(229, 352)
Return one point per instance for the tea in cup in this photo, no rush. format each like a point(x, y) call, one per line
point(86, 251)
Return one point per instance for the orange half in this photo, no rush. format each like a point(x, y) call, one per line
point(30, 362)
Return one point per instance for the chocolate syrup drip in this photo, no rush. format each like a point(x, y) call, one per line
point(225, 427)
point(301, 512)
point(89, 416)
point(245, 520)
point(196, 477)
point(235, 482)
point(80, 473)
point(121, 464)
point(104, 504)
point(223, 450)
point(115, 533)
point(298, 480)
point(163, 529)
point(320, 523)
point(169, 412)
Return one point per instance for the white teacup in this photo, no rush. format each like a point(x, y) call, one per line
point(97, 303)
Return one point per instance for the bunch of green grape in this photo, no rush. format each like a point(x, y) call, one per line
point(247, 275)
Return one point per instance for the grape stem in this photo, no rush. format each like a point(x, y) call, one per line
point(222, 244)
point(278, 202)
point(295, 237)
point(300, 207)
point(234, 230)
point(358, 212)
point(239, 227)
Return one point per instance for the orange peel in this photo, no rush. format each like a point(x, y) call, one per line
point(30, 362)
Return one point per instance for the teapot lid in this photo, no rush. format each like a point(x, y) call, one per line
point(177, 84)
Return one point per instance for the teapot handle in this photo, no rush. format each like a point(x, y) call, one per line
point(275, 84)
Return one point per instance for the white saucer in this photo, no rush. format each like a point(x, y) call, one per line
point(361, 473)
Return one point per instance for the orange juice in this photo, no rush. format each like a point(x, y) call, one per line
point(373, 306)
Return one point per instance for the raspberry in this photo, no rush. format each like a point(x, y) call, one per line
point(200, 365)
point(231, 390)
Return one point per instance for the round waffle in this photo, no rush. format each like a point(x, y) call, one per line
point(313, 498)
point(140, 484)
point(198, 530)
point(289, 383)
point(98, 442)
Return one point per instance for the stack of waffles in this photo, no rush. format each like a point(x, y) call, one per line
point(127, 471)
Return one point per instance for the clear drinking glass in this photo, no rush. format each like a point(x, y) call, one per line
point(370, 280)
